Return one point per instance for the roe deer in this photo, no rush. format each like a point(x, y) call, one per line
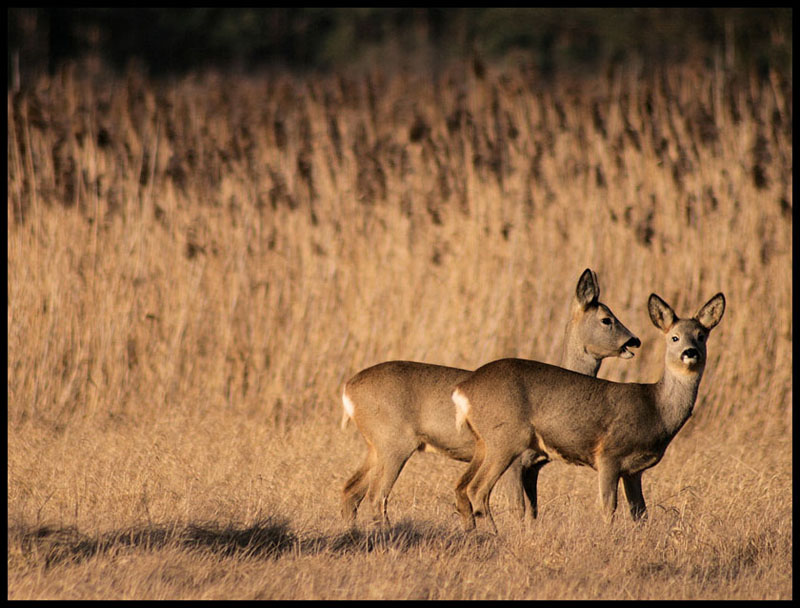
point(618, 429)
point(403, 406)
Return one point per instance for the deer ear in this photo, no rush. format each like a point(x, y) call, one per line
point(711, 312)
point(588, 290)
point(661, 314)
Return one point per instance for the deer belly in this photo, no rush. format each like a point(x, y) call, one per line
point(457, 448)
point(555, 451)
point(640, 461)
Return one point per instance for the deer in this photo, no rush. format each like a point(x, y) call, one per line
point(401, 407)
point(618, 429)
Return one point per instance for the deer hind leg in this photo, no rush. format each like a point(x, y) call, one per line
point(633, 492)
point(495, 462)
point(391, 462)
point(463, 505)
point(356, 487)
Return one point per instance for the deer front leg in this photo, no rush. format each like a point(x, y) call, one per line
point(515, 489)
point(530, 477)
point(608, 477)
point(633, 492)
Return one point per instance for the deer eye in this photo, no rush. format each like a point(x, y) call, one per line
point(674, 338)
point(606, 321)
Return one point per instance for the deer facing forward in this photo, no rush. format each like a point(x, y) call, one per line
point(618, 429)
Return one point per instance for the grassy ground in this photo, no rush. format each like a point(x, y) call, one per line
point(195, 267)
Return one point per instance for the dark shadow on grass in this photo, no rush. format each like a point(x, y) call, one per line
point(267, 538)
point(403, 536)
point(264, 539)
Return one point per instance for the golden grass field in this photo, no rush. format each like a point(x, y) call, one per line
point(196, 265)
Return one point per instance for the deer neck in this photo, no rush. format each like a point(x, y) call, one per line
point(675, 395)
point(575, 357)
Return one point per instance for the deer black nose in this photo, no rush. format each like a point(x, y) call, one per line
point(691, 353)
point(633, 343)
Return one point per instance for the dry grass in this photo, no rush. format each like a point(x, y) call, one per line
point(195, 267)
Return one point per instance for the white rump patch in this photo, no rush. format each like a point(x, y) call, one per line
point(349, 408)
point(462, 407)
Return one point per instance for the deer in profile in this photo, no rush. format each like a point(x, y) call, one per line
point(403, 406)
point(618, 429)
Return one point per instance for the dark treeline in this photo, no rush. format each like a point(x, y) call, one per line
point(173, 40)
